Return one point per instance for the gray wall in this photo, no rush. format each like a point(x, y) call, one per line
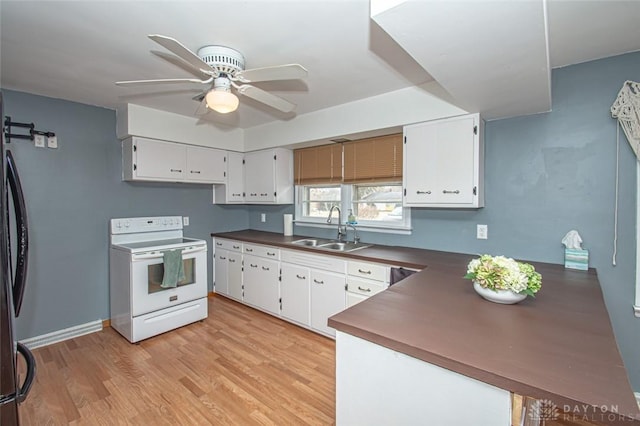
point(71, 193)
point(545, 175)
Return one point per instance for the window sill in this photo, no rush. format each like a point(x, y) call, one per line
point(399, 230)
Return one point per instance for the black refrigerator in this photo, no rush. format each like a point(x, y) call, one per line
point(14, 244)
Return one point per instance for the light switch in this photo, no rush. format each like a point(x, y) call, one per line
point(482, 232)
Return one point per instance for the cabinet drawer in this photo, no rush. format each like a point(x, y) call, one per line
point(328, 263)
point(267, 252)
point(371, 271)
point(230, 245)
point(364, 287)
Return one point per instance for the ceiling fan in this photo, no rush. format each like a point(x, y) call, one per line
point(223, 68)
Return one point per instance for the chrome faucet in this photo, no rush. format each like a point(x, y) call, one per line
point(341, 230)
point(356, 238)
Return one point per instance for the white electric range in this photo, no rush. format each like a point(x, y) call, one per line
point(140, 306)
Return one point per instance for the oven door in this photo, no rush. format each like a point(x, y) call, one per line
point(147, 271)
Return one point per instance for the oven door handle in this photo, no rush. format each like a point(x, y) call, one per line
point(161, 253)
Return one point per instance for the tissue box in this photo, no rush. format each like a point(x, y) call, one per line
point(576, 259)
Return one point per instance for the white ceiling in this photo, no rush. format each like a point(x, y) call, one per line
point(76, 50)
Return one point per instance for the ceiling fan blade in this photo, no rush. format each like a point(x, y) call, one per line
point(279, 72)
point(266, 98)
point(162, 81)
point(179, 62)
point(200, 96)
point(184, 53)
point(202, 108)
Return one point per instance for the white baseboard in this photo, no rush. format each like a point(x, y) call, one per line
point(61, 335)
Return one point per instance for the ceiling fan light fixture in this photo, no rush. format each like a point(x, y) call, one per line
point(220, 98)
point(222, 101)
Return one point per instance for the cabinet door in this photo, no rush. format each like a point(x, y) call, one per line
point(205, 165)
point(235, 177)
point(441, 163)
point(221, 257)
point(354, 299)
point(234, 274)
point(261, 285)
point(157, 160)
point(294, 293)
point(327, 298)
point(259, 177)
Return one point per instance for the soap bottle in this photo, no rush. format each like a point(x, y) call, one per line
point(351, 219)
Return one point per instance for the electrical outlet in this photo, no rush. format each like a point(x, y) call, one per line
point(39, 141)
point(52, 142)
point(482, 232)
point(263, 217)
point(185, 220)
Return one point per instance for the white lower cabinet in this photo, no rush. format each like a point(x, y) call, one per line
point(227, 258)
point(327, 299)
point(221, 271)
point(364, 279)
point(261, 277)
point(295, 293)
point(300, 287)
point(235, 275)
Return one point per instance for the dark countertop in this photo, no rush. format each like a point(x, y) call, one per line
point(558, 346)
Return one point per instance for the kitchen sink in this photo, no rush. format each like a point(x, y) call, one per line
point(343, 247)
point(330, 245)
point(309, 242)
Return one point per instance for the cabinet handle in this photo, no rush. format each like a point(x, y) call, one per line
point(248, 249)
point(236, 195)
point(364, 272)
point(218, 244)
point(364, 289)
point(263, 195)
point(236, 247)
point(176, 170)
point(318, 282)
point(232, 261)
point(270, 254)
point(224, 258)
point(302, 277)
point(253, 266)
point(253, 194)
point(264, 268)
point(194, 171)
point(444, 191)
point(423, 192)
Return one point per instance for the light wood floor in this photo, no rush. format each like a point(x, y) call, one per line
point(239, 366)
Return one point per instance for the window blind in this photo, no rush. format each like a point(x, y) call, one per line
point(318, 164)
point(373, 160)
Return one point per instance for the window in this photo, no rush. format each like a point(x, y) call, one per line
point(376, 203)
point(316, 200)
point(364, 176)
point(376, 207)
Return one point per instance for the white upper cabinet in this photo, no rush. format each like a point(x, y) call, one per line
point(206, 165)
point(235, 177)
point(443, 163)
point(232, 191)
point(153, 160)
point(268, 176)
